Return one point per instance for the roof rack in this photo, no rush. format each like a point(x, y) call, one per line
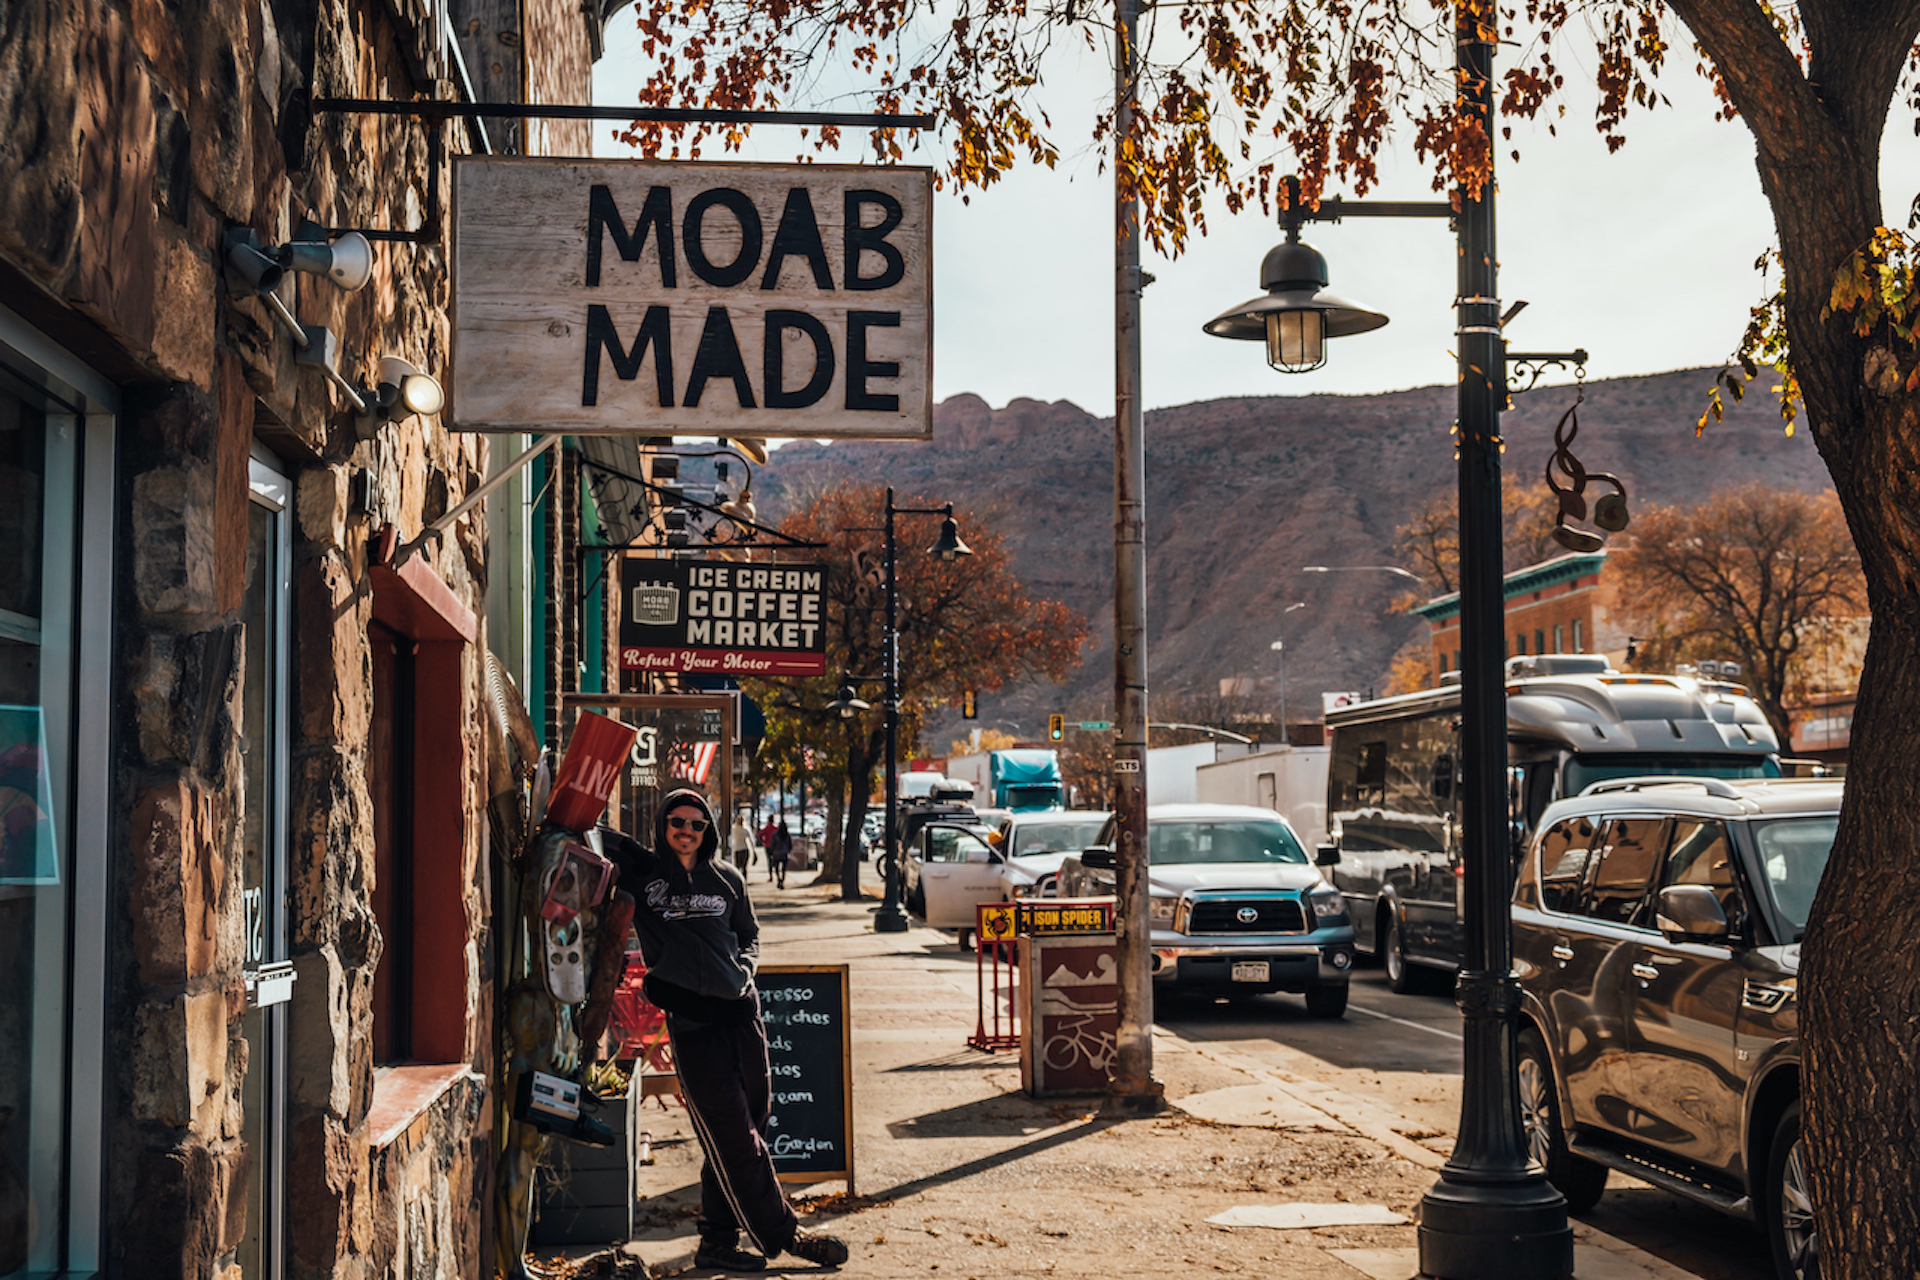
point(1717, 787)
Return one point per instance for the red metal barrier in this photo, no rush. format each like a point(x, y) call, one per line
point(996, 976)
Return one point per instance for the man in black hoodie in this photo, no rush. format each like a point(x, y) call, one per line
point(701, 944)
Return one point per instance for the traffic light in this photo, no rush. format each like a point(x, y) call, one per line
point(1056, 727)
point(969, 705)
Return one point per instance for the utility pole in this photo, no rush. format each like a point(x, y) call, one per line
point(1133, 1085)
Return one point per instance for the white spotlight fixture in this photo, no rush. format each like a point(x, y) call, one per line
point(400, 391)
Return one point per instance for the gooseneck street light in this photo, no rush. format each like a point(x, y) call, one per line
point(1394, 569)
point(892, 916)
point(1492, 1215)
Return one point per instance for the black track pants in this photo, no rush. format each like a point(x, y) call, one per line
point(729, 1095)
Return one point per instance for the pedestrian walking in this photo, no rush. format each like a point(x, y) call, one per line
point(701, 944)
point(741, 839)
point(779, 853)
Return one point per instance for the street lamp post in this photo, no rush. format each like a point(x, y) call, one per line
point(1492, 1215)
point(892, 916)
point(1279, 648)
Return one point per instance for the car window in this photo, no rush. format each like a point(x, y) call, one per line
point(943, 844)
point(1054, 837)
point(1701, 854)
point(1622, 875)
point(1186, 843)
point(1565, 850)
point(1793, 853)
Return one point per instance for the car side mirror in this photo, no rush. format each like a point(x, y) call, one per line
point(1690, 912)
point(1326, 855)
point(1098, 858)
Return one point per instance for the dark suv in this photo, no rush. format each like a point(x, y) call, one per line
point(1656, 932)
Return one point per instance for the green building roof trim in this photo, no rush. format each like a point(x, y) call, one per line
point(1535, 577)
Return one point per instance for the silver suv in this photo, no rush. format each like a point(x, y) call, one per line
point(1236, 907)
point(1656, 933)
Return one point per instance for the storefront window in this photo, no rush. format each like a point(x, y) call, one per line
point(51, 855)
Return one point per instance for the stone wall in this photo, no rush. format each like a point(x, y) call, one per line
point(132, 136)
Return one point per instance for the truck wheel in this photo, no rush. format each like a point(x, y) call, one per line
point(1789, 1203)
point(1327, 1002)
point(1402, 976)
point(1580, 1181)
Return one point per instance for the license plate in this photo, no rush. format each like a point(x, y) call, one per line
point(1250, 971)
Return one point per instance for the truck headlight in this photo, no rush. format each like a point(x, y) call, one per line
point(1328, 905)
point(1160, 911)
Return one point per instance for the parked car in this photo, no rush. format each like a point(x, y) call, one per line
point(1035, 844)
point(1656, 934)
point(1236, 906)
point(949, 869)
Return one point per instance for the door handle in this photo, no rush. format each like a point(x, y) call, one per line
point(1646, 971)
point(1562, 952)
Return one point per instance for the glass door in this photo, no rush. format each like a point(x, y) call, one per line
point(269, 973)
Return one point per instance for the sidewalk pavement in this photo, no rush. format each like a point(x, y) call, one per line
point(959, 1175)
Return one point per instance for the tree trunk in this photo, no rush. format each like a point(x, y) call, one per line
point(1817, 136)
point(1860, 990)
point(834, 855)
point(861, 753)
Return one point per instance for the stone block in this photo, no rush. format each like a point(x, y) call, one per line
point(323, 503)
point(175, 421)
point(218, 107)
point(187, 693)
point(173, 1229)
point(178, 1062)
point(114, 270)
point(156, 1078)
point(206, 1037)
point(173, 541)
point(157, 30)
point(184, 325)
point(328, 1178)
point(177, 883)
point(318, 1035)
point(333, 671)
point(40, 201)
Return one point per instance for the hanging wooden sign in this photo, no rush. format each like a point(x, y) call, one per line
point(690, 298)
point(716, 617)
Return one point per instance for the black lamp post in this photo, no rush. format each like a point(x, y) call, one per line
point(892, 916)
point(1492, 1215)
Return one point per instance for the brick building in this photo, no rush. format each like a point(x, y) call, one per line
point(1557, 606)
point(246, 951)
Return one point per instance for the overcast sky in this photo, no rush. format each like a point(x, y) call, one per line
point(1644, 257)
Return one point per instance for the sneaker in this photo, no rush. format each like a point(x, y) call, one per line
point(821, 1250)
point(728, 1257)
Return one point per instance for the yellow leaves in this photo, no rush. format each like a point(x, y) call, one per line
point(1763, 344)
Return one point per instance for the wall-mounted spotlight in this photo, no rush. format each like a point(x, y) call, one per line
point(346, 259)
point(400, 391)
point(250, 269)
point(255, 268)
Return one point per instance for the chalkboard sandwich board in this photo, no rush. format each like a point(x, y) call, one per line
point(810, 1049)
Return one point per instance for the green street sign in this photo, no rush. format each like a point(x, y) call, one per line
point(1096, 726)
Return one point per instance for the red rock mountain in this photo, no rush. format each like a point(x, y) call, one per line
point(1242, 493)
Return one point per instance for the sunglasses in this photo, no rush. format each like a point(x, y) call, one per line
point(695, 825)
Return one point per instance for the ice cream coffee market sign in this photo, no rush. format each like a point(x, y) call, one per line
point(687, 298)
point(720, 618)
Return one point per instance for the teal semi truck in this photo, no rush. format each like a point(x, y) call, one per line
point(1021, 780)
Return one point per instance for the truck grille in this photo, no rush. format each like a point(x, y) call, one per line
point(1270, 915)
